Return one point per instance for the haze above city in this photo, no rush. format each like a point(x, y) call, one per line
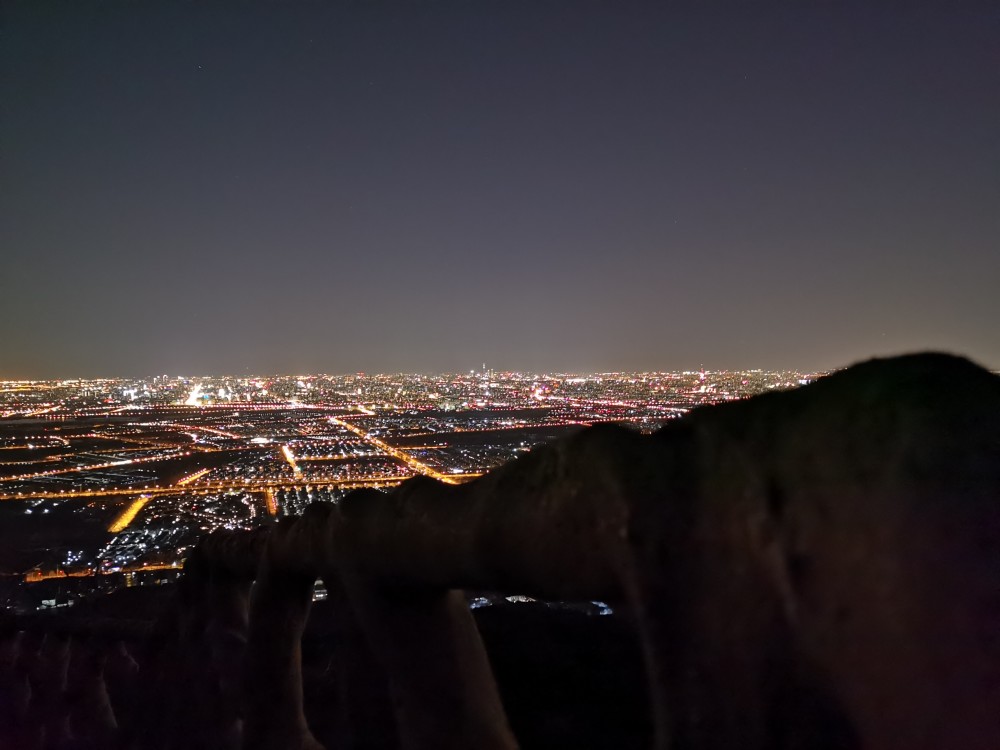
point(263, 188)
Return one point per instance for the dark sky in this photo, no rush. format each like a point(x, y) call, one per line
point(195, 188)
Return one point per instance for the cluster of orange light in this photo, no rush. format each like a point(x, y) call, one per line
point(192, 477)
point(129, 514)
point(418, 466)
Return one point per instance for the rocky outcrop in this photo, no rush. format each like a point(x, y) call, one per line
point(807, 569)
point(53, 691)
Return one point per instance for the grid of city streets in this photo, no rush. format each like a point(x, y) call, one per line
point(116, 479)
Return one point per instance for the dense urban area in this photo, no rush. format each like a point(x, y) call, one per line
point(107, 483)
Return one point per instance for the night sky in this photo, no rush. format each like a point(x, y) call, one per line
point(207, 188)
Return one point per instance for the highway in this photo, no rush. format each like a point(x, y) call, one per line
point(192, 477)
point(33, 576)
point(128, 515)
point(286, 451)
point(189, 427)
point(207, 487)
point(406, 458)
point(270, 502)
point(94, 467)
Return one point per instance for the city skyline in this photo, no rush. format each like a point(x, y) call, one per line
point(431, 374)
point(544, 187)
point(474, 372)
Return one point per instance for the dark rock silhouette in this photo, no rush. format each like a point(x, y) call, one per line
point(816, 568)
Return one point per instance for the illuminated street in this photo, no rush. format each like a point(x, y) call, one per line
point(130, 473)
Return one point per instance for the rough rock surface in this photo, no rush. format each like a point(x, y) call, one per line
point(817, 568)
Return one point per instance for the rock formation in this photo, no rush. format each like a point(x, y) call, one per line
point(815, 568)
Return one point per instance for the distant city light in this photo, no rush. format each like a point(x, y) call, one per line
point(160, 462)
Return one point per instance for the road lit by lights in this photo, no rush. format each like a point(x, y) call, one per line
point(38, 575)
point(209, 487)
point(286, 451)
point(192, 477)
point(128, 515)
point(403, 456)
